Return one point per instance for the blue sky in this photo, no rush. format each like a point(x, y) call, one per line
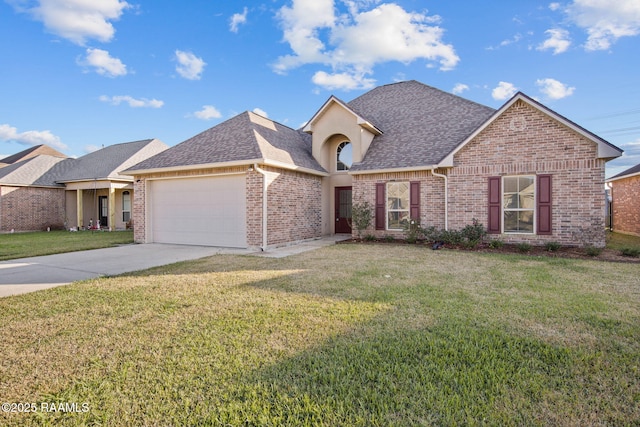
point(82, 74)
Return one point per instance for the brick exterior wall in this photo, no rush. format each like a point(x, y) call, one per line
point(294, 204)
point(431, 197)
point(31, 208)
point(522, 141)
point(626, 205)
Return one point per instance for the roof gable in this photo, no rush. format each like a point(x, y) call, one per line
point(41, 170)
point(108, 162)
point(32, 152)
point(360, 120)
point(605, 149)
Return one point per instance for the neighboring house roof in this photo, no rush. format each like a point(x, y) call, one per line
point(632, 171)
point(108, 162)
point(421, 125)
point(39, 171)
point(245, 138)
point(32, 152)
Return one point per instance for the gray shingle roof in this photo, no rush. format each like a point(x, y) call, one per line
point(245, 137)
point(42, 170)
point(421, 125)
point(108, 162)
point(32, 152)
point(631, 171)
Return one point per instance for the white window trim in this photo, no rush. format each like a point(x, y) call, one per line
point(535, 205)
point(386, 203)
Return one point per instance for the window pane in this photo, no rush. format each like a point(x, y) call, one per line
point(344, 156)
point(397, 220)
point(398, 195)
point(510, 185)
point(518, 222)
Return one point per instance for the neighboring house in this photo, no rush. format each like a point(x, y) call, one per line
point(625, 201)
point(49, 191)
point(411, 151)
point(36, 150)
point(96, 191)
point(30, 197)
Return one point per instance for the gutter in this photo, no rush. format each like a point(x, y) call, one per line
point(446, 196)
point(264, 206)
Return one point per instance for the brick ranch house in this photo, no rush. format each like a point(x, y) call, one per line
point(625, 204)
point(409, 150)
point(41, 188)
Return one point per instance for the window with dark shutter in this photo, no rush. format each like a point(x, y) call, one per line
point(543, 207)
point(495, 211)
point(381, 211)
point(414, 200)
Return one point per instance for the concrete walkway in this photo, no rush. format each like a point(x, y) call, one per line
point(25, 275)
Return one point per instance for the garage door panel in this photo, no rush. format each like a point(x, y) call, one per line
point(201, 211)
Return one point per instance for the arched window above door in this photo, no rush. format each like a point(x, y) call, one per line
point(344, 156)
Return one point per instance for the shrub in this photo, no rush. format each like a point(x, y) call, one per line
point(631, 252)
point(361, 216)
point(412, 230)
point(523, 247)
point(369, 237)
point(552, 246)
point(474, 233)
point(496, 244)
point(592, 250)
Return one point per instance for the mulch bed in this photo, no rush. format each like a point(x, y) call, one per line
point(609, 255)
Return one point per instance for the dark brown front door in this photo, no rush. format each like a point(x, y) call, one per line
point(343, 210)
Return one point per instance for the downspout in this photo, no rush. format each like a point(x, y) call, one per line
point(264, 206)
point(446, 196)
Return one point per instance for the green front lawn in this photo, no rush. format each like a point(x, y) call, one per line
point(347, 335)
point(22, 245)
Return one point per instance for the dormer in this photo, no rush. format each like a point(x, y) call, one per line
point(336, 129)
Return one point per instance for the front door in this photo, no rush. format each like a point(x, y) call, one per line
point(103, 211)
point(343, 210)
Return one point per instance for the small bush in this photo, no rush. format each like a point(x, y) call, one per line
point(496, 244)
point(524, 247)
point(552, 246)
point(389, 238)
point(412, 230)
point(630, 252)
point(361, 216)
point(369, 237)
point(474, 232)
point(592, 251)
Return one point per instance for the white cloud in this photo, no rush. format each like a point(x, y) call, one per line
point(558, 41)
point(260, 112)
point(237, 19)
point(554, 89)
point(133, 102)
point(554, 6)
point(31, 137)
point(189, 66)
point(605, 20)
point(503, 91)
point(208, 112)
point(354, 42)
point(345, 81)
point(104, 63)
point(459, 88)
point(77, 20)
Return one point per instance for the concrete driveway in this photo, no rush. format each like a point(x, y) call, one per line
point(24, 275)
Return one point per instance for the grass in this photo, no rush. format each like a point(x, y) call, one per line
point(620, 241)
point(22, 245)
point(347, 335)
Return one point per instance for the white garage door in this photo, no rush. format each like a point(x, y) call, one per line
point(207, 211)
